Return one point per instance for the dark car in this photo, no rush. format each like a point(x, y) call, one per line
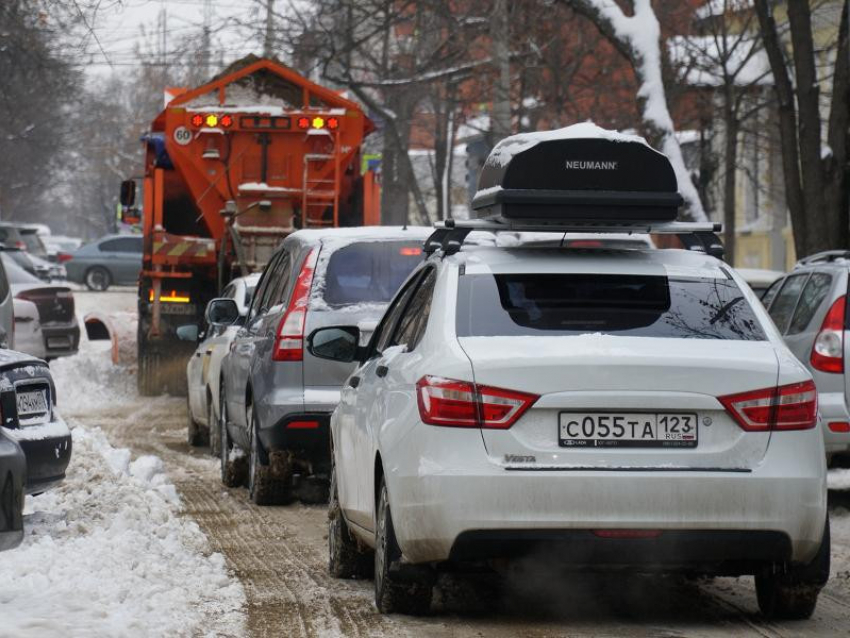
point(111, 260)
point(29, 417)
point(13, 472)
point(59, 333)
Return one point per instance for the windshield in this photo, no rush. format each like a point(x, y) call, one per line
point(627, 305)
point(369, 272)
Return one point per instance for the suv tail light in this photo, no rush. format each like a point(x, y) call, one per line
point(463, 404)
point(788, 407)
point(289, 342)
point(828, 351)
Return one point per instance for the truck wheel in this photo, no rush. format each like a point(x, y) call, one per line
point(405, 595)
point(232, 462)
point(267, 485)
point(792, 594)
point(97, 278)
point(346, 559)
point(198, 435)
point(214, 430)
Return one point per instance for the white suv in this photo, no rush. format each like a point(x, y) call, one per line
point(615, 407)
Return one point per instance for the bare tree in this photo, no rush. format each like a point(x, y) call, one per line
point(816, 174)
point(638, 38)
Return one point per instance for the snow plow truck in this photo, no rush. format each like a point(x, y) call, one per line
point(231, 168)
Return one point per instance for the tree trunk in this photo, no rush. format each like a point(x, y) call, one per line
point(500, 124)
point(730, 166)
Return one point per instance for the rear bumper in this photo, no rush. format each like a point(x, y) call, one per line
point(833, 409)
point(61, 341)
point(307, 434)
point(441, 499)
point(47, 449)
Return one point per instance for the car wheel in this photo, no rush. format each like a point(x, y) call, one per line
point(265, 486)
point(97, 279)
point(232, 460)
point(214, 429)
point(197, 435)
point(407, 595)
point(346, 559)
point(792, 593)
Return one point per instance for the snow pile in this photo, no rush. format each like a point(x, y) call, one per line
point(90, 378)
point(838, 479)
point(107, 554)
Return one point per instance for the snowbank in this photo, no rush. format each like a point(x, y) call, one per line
point(108, 554)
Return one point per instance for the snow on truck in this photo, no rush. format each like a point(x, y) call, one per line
point(232, 167)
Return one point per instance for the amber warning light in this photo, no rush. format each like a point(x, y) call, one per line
point(212, 120)
point(173, 297)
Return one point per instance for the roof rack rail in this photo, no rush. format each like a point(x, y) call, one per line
point(450, 234)
point(825, 256)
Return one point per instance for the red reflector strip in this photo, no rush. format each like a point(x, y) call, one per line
point(302, 425)
point(627, 533)
point(839, 426)
point(409, 251)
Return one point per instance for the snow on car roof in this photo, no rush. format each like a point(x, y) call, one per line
point(505, 150)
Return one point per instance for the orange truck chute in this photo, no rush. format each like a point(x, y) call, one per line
point(231, 168)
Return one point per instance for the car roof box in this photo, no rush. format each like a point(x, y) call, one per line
point(581, 173)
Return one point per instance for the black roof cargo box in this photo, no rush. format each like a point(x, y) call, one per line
point(579, 173)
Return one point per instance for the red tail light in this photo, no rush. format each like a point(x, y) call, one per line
point(63, 257)
point(289, 343)
point(788, 407)
point(462, 404)
point(828, 351)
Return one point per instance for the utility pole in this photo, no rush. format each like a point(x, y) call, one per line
point(268, 42)
point(205, 41)
point(500, 118)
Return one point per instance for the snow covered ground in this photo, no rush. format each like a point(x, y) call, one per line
point(108, 553)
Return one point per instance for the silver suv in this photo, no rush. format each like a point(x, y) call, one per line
point(277, 398)
point(809, 306)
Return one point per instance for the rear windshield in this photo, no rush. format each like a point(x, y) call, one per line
point(369, 272)
point(626, 305)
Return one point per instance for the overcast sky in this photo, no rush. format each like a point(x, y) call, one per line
point(121, 25)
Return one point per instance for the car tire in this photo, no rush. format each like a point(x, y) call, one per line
point(214, 429)
point(266, 487)
point(197, 435)
point(97, 279)
point(232, 464)
point(792, 593)
point(346, 557)
point(393, 594)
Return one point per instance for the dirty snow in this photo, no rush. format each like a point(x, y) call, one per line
point(108, 553)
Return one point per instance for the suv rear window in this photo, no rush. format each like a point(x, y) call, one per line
point(626, 305)
point(369, 272)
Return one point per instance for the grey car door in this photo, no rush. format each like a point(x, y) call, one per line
point(128, 259)
point(243, 347)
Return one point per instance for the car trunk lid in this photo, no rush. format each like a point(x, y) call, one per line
point(597, 374)
point(55, 303)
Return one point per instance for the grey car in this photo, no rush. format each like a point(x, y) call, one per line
point(809, 306)
point(111, 260)
point(13, 472)
point(277, 398)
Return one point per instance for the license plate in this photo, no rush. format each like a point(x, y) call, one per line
point(32, 402)
point(58, 342)
point(177, 308)
point(627, 429)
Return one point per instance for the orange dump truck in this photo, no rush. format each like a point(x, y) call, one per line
point(232, 167)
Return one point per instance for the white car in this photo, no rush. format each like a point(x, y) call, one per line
point(204, 367)
point(607, 408)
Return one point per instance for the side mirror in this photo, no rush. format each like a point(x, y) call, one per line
point(128, 193)
point(337, 343)
point(222, 312)
point(188, 332)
